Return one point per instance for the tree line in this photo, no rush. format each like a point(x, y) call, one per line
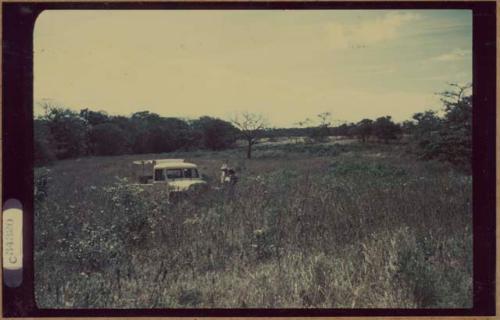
point(61, 133)
point(382, 129)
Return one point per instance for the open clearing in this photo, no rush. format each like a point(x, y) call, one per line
point(324, 225)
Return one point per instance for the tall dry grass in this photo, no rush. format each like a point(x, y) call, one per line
point(351, 227)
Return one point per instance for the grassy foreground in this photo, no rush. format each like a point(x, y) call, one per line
point(352, 226)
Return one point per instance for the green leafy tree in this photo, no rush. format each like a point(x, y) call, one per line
point(94, 117)
point(171, 134)
point(425, 133)
point(345, 130)
point(127, 129)
point(447, 138)
point(107, 139)
point(214, 134)
point(407, 127)
point(44, 152)
point(385, 129)
point(363, 129)
point(156, 134)
point(456, 131)
point(68, 131)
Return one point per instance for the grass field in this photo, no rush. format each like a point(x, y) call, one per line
point(307, 226)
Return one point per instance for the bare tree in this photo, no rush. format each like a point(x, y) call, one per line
point(302, 124)
point(251, 126)
point(454, 94)
point(325, 119)
point(322, 131)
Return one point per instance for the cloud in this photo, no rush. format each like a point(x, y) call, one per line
point(369, 32)
point(454, 55)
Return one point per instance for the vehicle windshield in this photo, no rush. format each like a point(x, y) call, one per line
point(190, 173)
point(174, 173)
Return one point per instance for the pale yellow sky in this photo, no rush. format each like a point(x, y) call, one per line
point(286, 64)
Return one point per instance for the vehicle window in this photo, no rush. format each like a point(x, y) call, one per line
point(174, 173)
point(195, 173)
point(159, 175)
point(188, 173)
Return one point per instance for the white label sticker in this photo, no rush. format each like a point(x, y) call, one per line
point(13, 239)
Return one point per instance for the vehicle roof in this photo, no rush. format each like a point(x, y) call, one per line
point(157, 161)
point(174, 165)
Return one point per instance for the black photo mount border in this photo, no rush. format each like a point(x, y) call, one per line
point(17, 121)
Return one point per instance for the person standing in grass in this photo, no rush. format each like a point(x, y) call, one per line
point(233, 178)
point(228, 175)
point(224, 173)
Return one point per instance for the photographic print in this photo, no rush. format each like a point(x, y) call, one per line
point(305, 159)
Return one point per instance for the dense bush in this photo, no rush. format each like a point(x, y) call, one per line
point(43, 144)
point(214, 134)
point(364, 129)
point(385, 129)
point(447, 138)
point(68, 131)
point(107, 139)
point(61, 133)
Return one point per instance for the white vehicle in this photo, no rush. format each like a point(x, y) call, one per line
point(179, 176)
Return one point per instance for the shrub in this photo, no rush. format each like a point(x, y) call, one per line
point(449, 138)
point(44, 151)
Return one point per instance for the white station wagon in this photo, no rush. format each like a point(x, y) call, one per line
point(178, 175)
